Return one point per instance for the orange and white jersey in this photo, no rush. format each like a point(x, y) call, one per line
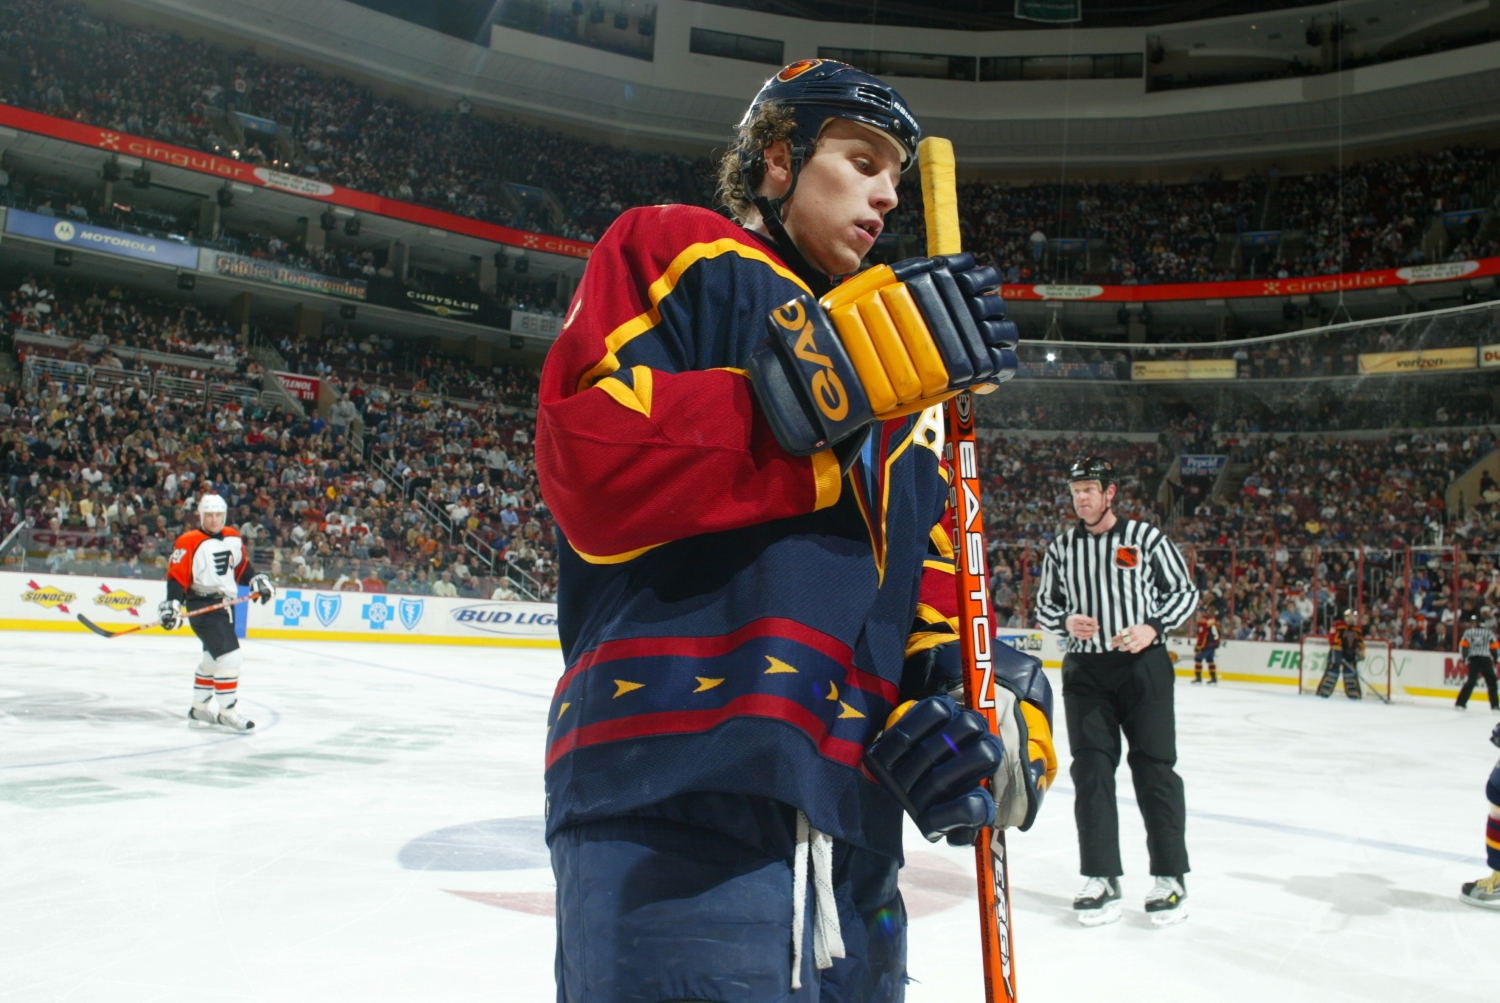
point(209, 565)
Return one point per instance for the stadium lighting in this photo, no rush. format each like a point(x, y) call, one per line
point(1051, 356)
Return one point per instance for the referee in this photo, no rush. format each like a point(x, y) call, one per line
point(1115, 587)
point(1476, 651)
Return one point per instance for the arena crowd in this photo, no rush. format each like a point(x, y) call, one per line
point(1372, 214)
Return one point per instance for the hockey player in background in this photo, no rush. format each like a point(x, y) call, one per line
point(1206, 648)
point(1486, 891)
point(1477, 650)
point(756, 576)
point(1346, 649)
point(208, 565)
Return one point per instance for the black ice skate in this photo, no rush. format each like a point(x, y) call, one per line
point(1164, 904)
point(1099, 902)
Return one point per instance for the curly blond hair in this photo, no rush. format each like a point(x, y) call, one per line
point(770, 124)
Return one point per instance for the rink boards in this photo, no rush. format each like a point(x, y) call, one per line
point(1415, 675)
point(53, 602)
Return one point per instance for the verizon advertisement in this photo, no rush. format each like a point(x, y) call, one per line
point(222, 167)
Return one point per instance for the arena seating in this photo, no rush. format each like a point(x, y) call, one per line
point(396, 489)
point(76, 65)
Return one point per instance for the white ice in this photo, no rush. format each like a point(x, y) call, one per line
point(143, 859)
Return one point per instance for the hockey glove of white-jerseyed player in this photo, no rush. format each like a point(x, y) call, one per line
point(262, 589)
point(892, 340)
point(1023, 708)
point(170, 614)
point(931, 758)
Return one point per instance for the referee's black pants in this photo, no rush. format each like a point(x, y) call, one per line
point(1479, 666)
point(1103, 695)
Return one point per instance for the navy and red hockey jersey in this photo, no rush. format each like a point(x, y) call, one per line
point(734, 619)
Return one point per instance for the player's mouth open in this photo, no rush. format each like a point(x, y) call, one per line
point(868, 231)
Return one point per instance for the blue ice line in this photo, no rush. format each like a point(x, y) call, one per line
point(1297, 830)
point(426, 675)
point(275, 720)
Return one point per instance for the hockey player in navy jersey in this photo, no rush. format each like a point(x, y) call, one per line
point(756, 594)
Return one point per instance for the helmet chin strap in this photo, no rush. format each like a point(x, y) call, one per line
point(770, 214)
point(1109, 506)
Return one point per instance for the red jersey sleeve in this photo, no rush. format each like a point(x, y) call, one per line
point(647, 431)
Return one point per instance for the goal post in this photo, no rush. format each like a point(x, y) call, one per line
point(1375, 669)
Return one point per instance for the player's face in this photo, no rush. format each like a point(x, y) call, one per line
point(1090, 499)
point(212, 522)
point(842, 196)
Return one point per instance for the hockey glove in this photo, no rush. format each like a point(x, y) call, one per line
point(170, 614)
point(931, 758)
point(933, 671)
point(891, 341)
point(1495, 735)
point(262, 589)
point(1023, 708)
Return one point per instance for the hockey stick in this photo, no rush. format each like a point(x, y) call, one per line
point(102, 632)
point(970, 566)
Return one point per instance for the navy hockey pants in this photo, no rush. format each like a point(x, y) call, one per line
point(1492, 828)
point(651, 910)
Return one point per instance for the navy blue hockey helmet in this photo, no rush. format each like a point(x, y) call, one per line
point(817, 90)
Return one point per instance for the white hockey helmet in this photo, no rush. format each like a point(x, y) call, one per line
point(212, 504)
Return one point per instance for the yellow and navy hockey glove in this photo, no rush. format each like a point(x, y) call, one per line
point(1023, 708)
point(890, 341)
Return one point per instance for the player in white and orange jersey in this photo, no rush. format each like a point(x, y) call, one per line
point(208, 566)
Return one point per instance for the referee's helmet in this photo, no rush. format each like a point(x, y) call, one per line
point(1093, 468)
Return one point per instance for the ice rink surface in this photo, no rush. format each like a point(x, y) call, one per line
point(378, 838)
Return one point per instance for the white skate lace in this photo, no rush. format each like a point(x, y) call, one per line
point(1164, 889)
point(1094, 888)
point(828, 936)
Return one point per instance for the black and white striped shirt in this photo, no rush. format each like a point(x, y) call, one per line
point(1478, 642)
point(1131, 574)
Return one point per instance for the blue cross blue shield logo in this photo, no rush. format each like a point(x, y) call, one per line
point(291, 608)
point(411, 612)
point(377, 611)
point(327, 608)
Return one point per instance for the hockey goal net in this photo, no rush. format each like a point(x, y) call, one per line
point(1374, 668)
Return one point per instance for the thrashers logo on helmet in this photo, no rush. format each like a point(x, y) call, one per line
point(796, 69)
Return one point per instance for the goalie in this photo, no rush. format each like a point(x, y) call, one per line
point(1346, 650)
point(208, 565)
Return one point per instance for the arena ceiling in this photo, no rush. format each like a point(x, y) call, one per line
point(997, 15)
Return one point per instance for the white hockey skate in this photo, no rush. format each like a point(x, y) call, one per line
point(203, 713)
point(231, 718)
point(1485, 893)
point(1164, 903)
point(1098, 902)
